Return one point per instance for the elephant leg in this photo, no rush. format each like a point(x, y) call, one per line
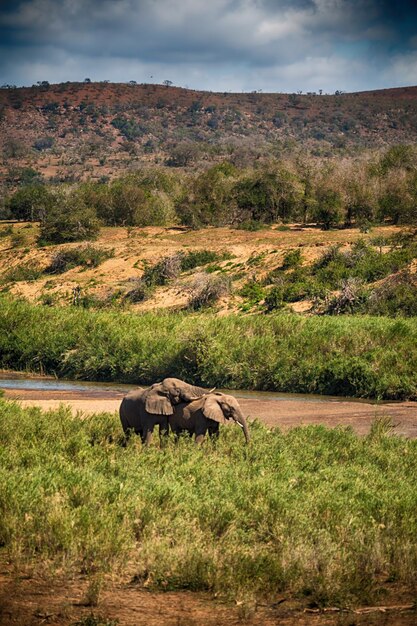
point(200, 433)
point(163, 432)
point(214, 431)
point(146, 435)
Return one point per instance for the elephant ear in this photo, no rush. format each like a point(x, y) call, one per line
point(158, 404)
point(212, 409)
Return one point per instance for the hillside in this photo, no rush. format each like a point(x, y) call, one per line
point(73, 131)
point(295, 267)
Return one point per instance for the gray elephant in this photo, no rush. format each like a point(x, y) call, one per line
point(143, 409)
point(206, 414)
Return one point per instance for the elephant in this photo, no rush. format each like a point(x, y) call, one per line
point(142, 409)
point(206, 414)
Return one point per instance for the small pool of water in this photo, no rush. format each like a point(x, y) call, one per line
point(23, 381)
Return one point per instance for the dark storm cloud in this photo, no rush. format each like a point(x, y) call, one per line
point(236, 44)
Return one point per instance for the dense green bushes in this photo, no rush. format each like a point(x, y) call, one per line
point(363, 356)
point(349, 272)
point(359, 191)
point(315, 512)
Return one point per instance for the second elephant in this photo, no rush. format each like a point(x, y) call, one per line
point(143, 409)
point(205, 415)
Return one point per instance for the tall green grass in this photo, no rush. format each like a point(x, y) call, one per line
point(355, 356)
point(315, 512)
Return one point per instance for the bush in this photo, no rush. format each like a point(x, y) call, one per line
point(252, 291)
point(30, 203)
point(275, 298)
point(6, 231)
point(43, 143)
point(139, 291)
point(197, 258)
point(162, 272)
point(69, 220)
point(88, 256)
point(293, 258)
point(207, 289)
point(352, 298)
point(396, 297)
point(24, 272)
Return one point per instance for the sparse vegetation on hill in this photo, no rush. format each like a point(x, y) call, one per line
point(73, 131)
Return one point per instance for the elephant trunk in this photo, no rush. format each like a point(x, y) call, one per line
point(242, 422)
point(192, 393)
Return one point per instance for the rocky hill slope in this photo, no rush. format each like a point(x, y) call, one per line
point(73, 131)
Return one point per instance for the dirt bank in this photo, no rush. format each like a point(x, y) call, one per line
point(282, 413)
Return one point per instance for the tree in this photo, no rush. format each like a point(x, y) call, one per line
point(167, 83)
point(69, 219)
point(30, 203)
point(328, 211)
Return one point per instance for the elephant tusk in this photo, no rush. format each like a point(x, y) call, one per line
point(239, 424)
point(211, 390)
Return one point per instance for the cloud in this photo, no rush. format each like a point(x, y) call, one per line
point(338, 43)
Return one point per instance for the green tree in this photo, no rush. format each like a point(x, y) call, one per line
point(69, 219)
point(30, 203)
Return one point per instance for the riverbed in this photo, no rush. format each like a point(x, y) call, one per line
point(274, 409)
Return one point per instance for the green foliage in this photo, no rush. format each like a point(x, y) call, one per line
point(129, 128)
point(23, 272)
point(292, 259)
point(6, 231)
point(30, 203)
point(291, 353)
point(70, 219)
point(198, 258)
point(252, 291)
point(274, 300)
point(395, 298)
point(87, 256)
point(135, 200)
point(315, 511)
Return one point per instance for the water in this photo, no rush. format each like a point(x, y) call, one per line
point(21, 381)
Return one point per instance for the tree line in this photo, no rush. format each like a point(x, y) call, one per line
point(362, 191)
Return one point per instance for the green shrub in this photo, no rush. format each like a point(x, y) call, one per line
point(68, 223)
point(198, 258)
point(274, 300)
point(162, 272)
point(139, 291)
point(87, 256)
point(23, 272)
point(6, 231)
point(252, 291)
point(396, 297)
point(292, 259)
point(18, 238)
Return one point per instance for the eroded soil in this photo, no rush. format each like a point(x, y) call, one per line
point(32, 601)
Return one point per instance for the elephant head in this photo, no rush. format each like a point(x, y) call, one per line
point(220, 407)
point(161, 396)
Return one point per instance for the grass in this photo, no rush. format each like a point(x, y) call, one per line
point(315, 512)
point(22, 272)
point(350, 355)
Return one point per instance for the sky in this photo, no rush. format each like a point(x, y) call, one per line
point(216, 45)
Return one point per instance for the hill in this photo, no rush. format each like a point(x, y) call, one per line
point(73, 131)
